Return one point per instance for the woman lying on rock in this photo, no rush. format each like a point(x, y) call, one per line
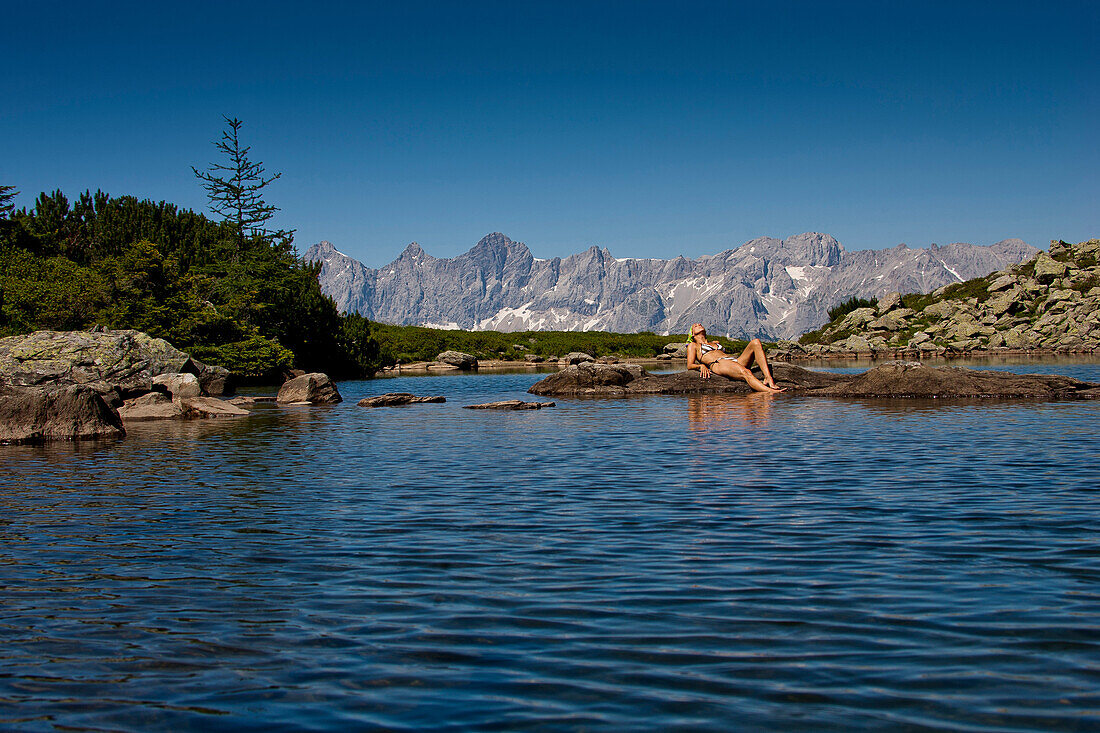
point(708, 356)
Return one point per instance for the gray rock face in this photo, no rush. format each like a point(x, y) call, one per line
point(40, 414)
point(576, 357)
point(314, 388)
point(128, 359)
point(768, 287)
point(157, 406)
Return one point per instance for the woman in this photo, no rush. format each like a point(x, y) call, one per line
point(708, 356)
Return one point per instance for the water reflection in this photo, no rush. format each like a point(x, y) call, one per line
point(708, 412)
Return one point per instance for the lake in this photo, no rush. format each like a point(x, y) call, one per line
point(655, 563)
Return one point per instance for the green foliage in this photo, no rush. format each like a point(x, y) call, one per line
point(46, 293)
point(415, 343)
point(843, 309)
point(254, 358)
point(977, 288)
point(174, 274)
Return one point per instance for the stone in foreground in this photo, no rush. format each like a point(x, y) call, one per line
point(890, 380)
point(509, 405)
point(73, 412)
point(393, 399)
point(314, 388)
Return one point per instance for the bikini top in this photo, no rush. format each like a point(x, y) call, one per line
point(707, 348)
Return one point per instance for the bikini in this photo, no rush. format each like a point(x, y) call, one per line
point(706, 348)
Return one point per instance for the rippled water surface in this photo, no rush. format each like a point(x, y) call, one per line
point(658, 563)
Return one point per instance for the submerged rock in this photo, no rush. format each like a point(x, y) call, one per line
point(393, 399)
point(509, 405)
point(315, 388)
point(72, 412)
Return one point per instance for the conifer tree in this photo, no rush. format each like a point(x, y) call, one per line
point(234, 189)
point(7, 195)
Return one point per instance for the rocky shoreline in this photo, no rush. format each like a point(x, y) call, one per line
point(1049, 304)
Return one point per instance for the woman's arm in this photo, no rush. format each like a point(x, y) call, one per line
point(693, 364)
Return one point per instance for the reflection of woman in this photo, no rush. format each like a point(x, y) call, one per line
point(708, 356)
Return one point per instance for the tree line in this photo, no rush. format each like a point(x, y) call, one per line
point(228, 292)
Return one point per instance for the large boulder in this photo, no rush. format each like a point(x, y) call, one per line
point(914, 379)
point(631, 379)
point(71, 412)
point(891, 380)
point(315, 388)
point(458, 359)
point(126, 359)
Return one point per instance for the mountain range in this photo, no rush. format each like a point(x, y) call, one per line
point(768, 288)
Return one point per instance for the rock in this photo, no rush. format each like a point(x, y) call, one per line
point(1047, 269)
point(586, 377)
point(918, 338)
point(70, 412)
point(895, 320)
point(888, 302)
point(1002, 282)
point(854, 343)
point(576, 357)
point(858, 317)
point(179, 385)
point(215, 381)
point(151, 406)
point(458, 359)
point(509, 405)
point(392, 399)
point(909, 380)
point(1006, 302)
point(943, 309)
point(205, 407)
point(158, 406)
point(315, 388)
point(533, 358)
point(628, 379)
point(126, 359)
point(442, 366)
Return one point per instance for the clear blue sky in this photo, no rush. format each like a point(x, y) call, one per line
point(653, 129)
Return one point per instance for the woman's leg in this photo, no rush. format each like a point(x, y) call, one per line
point(755, 350)
point(734, 369)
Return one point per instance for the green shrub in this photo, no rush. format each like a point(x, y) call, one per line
point(839, 311)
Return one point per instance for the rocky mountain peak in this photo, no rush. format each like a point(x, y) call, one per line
point(772, 288)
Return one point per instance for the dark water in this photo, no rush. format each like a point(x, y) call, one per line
point(662, 563)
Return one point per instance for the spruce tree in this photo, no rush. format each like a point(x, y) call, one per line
point(234, 189)
point(7, 195)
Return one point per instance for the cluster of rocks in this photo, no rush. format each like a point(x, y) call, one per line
point(898, 379)
point(1050, 303)
point(73, 385)
point(396, 399)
